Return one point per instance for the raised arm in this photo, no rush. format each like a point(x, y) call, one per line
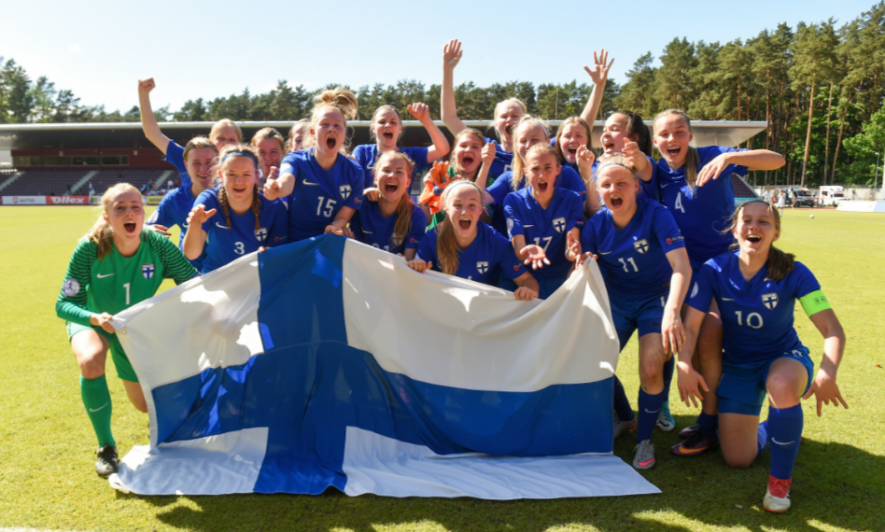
point(195, 237)
point(752, 159)
point(451, 57)
point(592, 203)
point(440, 143)
point(148, 121)
point(599, 74)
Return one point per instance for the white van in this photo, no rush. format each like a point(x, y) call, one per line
point(830, 196)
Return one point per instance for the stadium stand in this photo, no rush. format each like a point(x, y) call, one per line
point(742, 191)
point(34, 182)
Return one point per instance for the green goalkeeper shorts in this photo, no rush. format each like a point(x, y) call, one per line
point(121, 361)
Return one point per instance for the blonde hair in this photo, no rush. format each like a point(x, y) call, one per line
point(446, 245)
point(225, 122)
point(691, 158)
point(615, 160)
point(226, 154)
point(338, 98)
point(403, 225)
point(101, 234)
point(198, 143)
point(502, 103)
point(518, 168)
point(268, 133)
point(567, 122)
point(779, 263)
point(379, 110)
point(453, 159)
point(305, 143)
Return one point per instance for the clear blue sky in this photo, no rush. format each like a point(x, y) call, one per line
point(99, 49)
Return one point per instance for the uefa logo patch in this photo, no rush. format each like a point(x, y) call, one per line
point(148, 271)
point(641, 246)
point(345, 191)
point(769, 300)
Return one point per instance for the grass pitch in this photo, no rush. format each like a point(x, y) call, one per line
point(46, 442)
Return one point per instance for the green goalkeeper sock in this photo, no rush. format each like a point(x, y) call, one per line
point(97, 400)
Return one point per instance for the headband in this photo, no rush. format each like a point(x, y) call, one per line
point(243, 153)
point(614, 163)
point(454, 184)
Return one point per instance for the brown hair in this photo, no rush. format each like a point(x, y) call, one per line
point(379, 110)
point(101, 234)
point(453, 159)
point(615, 160)
point(403, 225)
point(226, 154)
point(269, 133)
point(518, 167)
point(517, 101)
point(637, 129)
point(779, 263)
point(567, 122)
point(305, 143)
point(198, 143)
point(691, 158)
point(446, 245)
point(226, 122)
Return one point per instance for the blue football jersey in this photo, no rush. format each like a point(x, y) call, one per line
point(367, 155)
point(568, 179)
point(369, 226)
point(757, 315)
point(319, 194)
point(488, 250)
point(175, 157)
point(173, 211)
point(702, 213)
point(225, 244)
point(545, 227)
point(503, 160)
point(633, 260)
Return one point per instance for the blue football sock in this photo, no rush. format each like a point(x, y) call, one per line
point(649, 408)
point(709, 425)
point(761, 437)
point(622, 404)
point(784, 433)
point(668, 375)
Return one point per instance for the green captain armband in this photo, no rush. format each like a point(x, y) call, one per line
point(814, 302)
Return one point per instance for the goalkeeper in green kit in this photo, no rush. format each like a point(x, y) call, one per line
point(115, 266)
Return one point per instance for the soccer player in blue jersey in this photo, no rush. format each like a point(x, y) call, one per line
point(463, 246)
point(507, 112)
point(642, 257)
point(200, 156)
point(539, 218)
point(223, 133)
point(387, 128)
point(392, 223)
point(756, 290)
point(695, 184)
point(529, 132)
point(271, 148)
point(233, 219)
point(323, 187)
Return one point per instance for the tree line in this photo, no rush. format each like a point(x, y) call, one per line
point(819, 87)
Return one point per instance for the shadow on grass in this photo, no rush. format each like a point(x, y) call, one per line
point(834, 484)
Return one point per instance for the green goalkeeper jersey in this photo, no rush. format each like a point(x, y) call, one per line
point(116, 282)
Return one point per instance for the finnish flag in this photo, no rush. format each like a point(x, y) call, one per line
point(332, 363)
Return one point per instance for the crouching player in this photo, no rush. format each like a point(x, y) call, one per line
point(114, 267)
point(646, 270)
point(756, 291)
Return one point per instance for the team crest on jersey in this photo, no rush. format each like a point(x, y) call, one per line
point(261, 234)
point(641, 245)
point(769, 300)
point(71, 288)
point(482, 266)
point(148, 270)
point(559, 224)
point(345, 191)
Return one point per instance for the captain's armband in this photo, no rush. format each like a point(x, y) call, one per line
point(814, 302)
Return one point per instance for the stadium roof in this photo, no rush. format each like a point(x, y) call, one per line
point(129, 134)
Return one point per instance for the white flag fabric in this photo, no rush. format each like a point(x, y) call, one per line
point(329, 363)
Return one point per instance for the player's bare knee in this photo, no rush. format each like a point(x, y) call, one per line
point(141, 406)
point(92, 364)
point(651, 372)
point(739, 460)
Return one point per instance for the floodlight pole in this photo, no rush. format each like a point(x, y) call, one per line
point(876, 177)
